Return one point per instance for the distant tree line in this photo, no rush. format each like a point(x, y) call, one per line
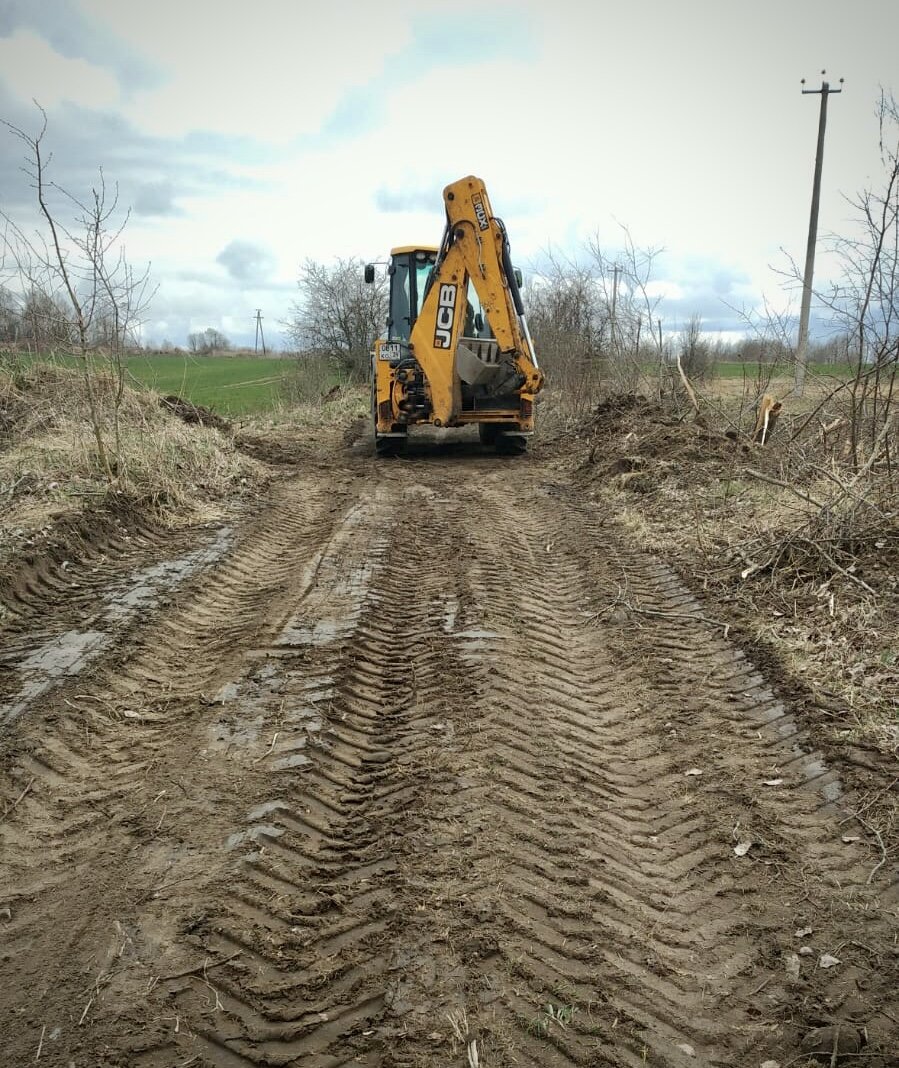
point(42, 320)
point(207, 342)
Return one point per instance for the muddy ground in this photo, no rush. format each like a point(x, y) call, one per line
point(419, 762)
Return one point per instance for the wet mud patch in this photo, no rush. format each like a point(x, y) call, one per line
point(34, 664)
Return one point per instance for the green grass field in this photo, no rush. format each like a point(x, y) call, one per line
point(232, 385)
point(237, 385)
point(750, 370)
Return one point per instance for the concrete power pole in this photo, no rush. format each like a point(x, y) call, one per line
point(614, 324)
point(259, 333)
point(802, 343)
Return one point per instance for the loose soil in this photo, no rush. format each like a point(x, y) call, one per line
point(425, 763)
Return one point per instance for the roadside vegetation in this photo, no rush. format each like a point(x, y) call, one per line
point(51, 474)
point(781, 508)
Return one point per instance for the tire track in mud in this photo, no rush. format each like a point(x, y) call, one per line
point(46, 581)
point(655, 855)
point(472, 780)
point(578, 868)
point(312, 926)
point(550, 881)
point(97, 766)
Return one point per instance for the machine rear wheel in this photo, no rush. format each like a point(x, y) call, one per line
point(498, 436)
point(389, 446)
point(511, 445)
point(384, 446)
point(488, 433)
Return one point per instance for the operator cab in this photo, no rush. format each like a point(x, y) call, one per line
point(410, 273)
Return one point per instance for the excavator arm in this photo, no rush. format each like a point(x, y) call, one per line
point(474, 247)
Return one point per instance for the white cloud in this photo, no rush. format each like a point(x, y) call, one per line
point(664, 290)
point(329, 129)
point(270, 70)
point(33, 70)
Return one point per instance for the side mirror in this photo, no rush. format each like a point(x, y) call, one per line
point(478, 322)
point(369, 273)
point(519, 278)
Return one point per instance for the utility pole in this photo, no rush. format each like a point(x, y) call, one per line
point(259, 334)
point(616, 271)
point(802, 343)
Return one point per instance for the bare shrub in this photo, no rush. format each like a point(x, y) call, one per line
point(79, 294)
point(338, 316)
point(594, 323)
point(695, 351)
point(311, 378)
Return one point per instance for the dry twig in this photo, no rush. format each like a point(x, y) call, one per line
point(204, 967)
point(10, 808)
point(786, 485)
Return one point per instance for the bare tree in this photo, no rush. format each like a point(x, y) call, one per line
point(866, 301)
point(73, 274)
point(565, 309)
point(636, 330)
point(695, 351)
point(338, 315)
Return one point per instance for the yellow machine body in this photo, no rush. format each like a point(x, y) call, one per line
point(457, 349)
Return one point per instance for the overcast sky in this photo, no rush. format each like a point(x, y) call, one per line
point(248, 137)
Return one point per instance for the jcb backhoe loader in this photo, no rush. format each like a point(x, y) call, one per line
point(457, 348)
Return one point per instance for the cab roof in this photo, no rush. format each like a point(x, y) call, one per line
point(400, 249)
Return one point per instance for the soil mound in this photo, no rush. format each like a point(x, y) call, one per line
point(194, 414)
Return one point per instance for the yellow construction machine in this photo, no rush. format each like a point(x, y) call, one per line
point(457, 348)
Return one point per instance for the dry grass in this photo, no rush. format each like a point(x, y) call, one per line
point(50, 469)
point(818, 583)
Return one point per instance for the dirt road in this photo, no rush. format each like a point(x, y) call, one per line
point(422, 764)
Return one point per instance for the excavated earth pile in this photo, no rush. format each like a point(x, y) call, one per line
point(424, 765)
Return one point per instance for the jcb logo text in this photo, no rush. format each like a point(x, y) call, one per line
point(446, 313)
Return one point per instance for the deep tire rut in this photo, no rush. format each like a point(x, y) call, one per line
point(432, 765)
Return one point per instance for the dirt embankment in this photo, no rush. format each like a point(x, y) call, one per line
point(91, 468)
point(760, 530)
point(427, 762)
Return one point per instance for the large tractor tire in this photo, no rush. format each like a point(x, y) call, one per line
point(494, 434)
point(488, 433)
point(384, 446)
point(511, 445)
